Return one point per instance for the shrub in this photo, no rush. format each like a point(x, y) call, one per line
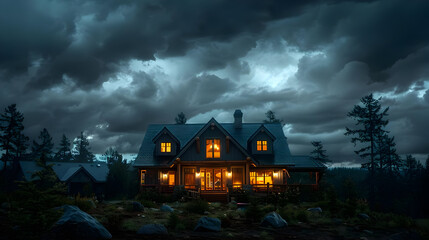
point(114, 221)
point(254, 213)
point(197, 206)
point(151, 195)
point(225, 221)
point(84, 204)
point(173, 220)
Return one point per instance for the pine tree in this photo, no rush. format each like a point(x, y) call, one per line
point(371, 121)
point(45, 147)
point(112, 155)
point(82, 146)
point(12, 141)
point(412, 168)
point(319, 154)
point(271, 117)
point(181, 118)
point(388, 158)
point(64, 152)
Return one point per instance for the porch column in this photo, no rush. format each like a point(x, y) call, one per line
point(247, 181)
point(178, 173)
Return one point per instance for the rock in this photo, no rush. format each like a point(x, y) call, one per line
point(233, 202)
point(337, 221)
point(367, 231)
point(76, 224)
point(166, 208)
point(274, 220)
point(138, 207)
point(206, 213)
point(154, 209)
point(208, 224)
point(363, 216)
point(152, 229)
point(315, 210)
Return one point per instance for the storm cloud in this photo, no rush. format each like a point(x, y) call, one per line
point(110, 68)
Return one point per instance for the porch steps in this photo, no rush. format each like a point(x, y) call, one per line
point(214, 197)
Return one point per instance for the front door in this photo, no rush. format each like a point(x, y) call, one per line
point(213, 179)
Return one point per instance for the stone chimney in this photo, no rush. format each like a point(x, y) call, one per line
point(238, 118)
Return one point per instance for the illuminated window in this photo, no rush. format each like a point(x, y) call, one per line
point(167, 178)
point(261, 177)
point(165, 147)
point(261, 145)
point(213, 148)
point(142, 177)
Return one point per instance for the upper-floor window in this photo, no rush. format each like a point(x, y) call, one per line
point(261, 145)
point(166, 147)
point(213, 148)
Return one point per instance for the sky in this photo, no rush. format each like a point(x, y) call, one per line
point(110, 68)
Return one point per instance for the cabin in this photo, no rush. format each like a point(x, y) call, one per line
point(86, 179)
point(218, 157)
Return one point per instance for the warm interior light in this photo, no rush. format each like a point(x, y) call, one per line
point(276, 174)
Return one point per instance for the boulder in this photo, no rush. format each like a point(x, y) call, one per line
point(138, 207)
point(76, 224)
point(315, 210)
point(363, 216)
point(5, 205)
point(208, 224)
point(407, 235)
point(152, 229)
point(274, 220)
point(166, 208)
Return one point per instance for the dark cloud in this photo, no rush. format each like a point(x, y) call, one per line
point(111, 68)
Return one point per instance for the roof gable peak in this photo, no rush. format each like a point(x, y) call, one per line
point(165, 130)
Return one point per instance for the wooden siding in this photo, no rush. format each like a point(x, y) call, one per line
point(165, 138)
point(261, 136)
point(191, 153)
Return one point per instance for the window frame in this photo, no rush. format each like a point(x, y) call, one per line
point(142, 177)
point(262, 145)
point(214, 153)
point(165, 147)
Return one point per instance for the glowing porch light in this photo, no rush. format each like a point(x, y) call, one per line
point(197, 174)
point(276, 174)
point(164, 175)
point(229, 174)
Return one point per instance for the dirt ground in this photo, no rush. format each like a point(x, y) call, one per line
point(240, 228)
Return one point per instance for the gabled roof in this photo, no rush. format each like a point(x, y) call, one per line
point(65, 170)
point(262, 128)
point(165, 130)
point(202, 130)
point(186, 133)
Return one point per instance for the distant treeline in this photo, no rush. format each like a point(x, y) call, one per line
point(405, 193)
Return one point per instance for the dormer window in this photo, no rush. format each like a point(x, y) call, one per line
point(166, 147)
point(213, 148)
point(261, 145)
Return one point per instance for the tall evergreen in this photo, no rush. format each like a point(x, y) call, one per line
point(45, 147)
point(390, 161)
point(319, 154)
point(64, 151)
point(12, 141)
point(271, 117)
point(370, 124)
point(112, 155)
point(181, 118)
point(82, 146)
